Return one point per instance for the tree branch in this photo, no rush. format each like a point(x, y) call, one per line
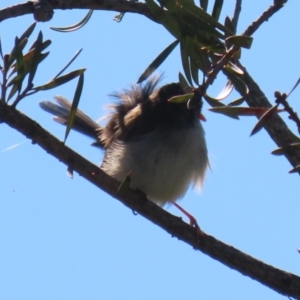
point(278, 280)
point(109, 5)
point(276, 127)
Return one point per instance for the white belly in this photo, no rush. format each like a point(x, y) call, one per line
point(162, 164)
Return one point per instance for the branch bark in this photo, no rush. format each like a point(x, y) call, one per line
point(108, 5)
point(285, 283)
point(276, 127)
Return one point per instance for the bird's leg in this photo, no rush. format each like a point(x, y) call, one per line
point(193, 221)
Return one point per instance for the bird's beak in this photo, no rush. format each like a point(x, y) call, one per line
point(202, 118)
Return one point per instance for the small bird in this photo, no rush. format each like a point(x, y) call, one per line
point(161, 144)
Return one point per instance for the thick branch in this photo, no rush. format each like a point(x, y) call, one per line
point(280, 281)
point(109, 5)
point(276, 127)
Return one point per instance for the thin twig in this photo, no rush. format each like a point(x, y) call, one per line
point(4, 78)
point(26, 92)
point(265, 17)
point(227, 57)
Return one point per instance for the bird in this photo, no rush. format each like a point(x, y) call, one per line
point(159, 143)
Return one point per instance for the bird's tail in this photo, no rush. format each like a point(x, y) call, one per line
point(82, 122)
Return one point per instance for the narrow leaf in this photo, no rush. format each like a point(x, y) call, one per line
point(213, 102)
point(229, 25)
point(235, 69)
point(181, 98)
point(186, 64)
point(59, 81)
point(165, 18)
point(33, 64)
point(204, 4)
point(75, 26)
point(74, 106)
point(20, 69)
point(297, 83)
point(184, 84)
point(244, 111)
point(201, 14)
point(19, 46)
point(27, 58)
point(217, 9)
point(36, 58)
point(13, 90)
point(264, 119)
point(226, 110)
point(1, 52)
point(194, 72)
point(28, 32)
point(237, 102)
point(157, 61)
point(69, 63)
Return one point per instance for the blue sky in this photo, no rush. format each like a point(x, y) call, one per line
point(62, 238)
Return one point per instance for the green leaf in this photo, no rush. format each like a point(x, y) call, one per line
point(125, 184)
point(20, 69)
point(45, 44)
point(18, 48)
point(243, 111)
point(68, 64)
point(188, 21)
point(74, 106)
point(235, 69)
point(1, 52)
point(157, 61)
point(226, 110)
point(33, 64)
point(27, 58)
point(36, 58)
point(217, 9)
point(181, 99)
point(192, 9)
point(186, 64)
point(28, 32)
point(213, 102)
point(204, 4)
point(229, 25)
point(17, 81)
point(194, 72)
point(75, 26)
point(240, 41)
point(237, 102)
point(296, 84)
point(264, 119)
point(15, 87)
point(165, 18)
point(184, 84)
point(59, 81)
point(197, 56)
